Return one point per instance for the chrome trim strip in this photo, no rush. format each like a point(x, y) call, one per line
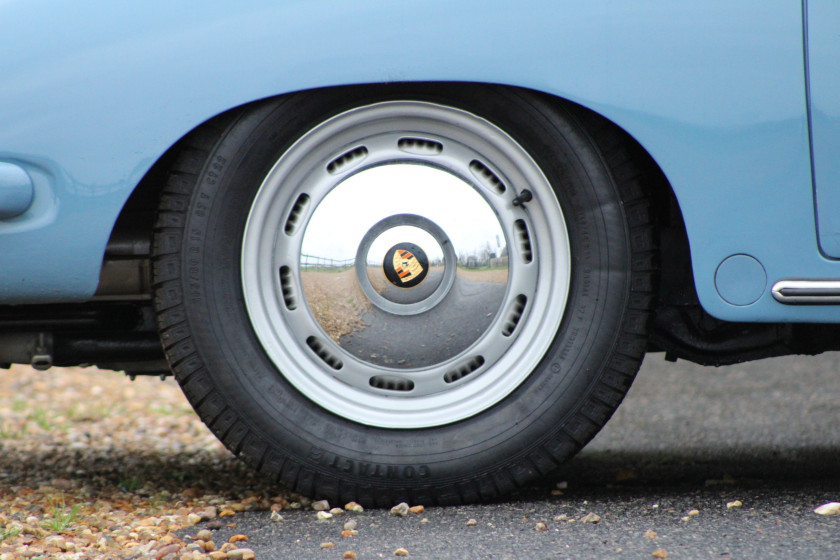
point(807, 291)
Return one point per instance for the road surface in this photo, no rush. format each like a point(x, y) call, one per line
point(686, 442)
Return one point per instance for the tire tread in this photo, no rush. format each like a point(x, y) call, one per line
point(542, 458)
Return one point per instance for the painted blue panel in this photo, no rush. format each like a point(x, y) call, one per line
point(824, 71)
point(96, 92)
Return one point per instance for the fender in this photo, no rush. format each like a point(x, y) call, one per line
point(94, 93)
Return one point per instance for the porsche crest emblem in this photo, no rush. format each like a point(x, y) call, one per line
point(405, 265)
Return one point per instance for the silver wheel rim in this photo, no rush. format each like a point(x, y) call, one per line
point(480, 318)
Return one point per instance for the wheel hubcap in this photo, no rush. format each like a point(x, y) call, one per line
point(390, 276)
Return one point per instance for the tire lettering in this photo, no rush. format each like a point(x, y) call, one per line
point(315, 454)
point(371, 470)
point(573, 334)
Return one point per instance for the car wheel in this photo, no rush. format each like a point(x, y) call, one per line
point(413, 292)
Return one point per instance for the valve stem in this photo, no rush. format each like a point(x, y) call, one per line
point(524, 196)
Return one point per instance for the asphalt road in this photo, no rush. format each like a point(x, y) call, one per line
point(686, 438)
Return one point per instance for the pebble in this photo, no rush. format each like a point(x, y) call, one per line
point(327, 545)
point(218, 555)
point(337, 511)
point(660, 553)
point(238, 538)
point(348, 533)
point(204, 535)
point(349, 555)
point(208, 513)
point(241, 554)
point(353, 506)
point(694, 512)
point(166, 550)
point(591, 518)
point(400, 509)
point(214, 525)
point(350, 525)
point(650, 534)
point(227, 513)
point(276, 516)
point(401, 552)
point(192, 493)
point(321, 505)
point(323, 515)
point(417, 509)
point(471, 522)
point(540, 526)
point(735, 504)
point(831, 508)
point(560, 518)
point(57, 541)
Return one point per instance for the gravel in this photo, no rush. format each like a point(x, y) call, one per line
point(95, 466)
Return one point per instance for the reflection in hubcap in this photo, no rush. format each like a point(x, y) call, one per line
point(415, 309)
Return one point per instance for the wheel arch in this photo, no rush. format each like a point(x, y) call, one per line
point(135, 217)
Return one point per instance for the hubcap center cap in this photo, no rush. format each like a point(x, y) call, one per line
point(406, 265)
point(404, 278)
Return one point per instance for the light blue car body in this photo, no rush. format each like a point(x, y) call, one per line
point(738, 102)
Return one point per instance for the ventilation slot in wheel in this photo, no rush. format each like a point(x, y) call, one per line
point(322, 352)
point(524, 240)
point(391, 383)
point(288, 288)
point(347, 160)
point(464, 370)
point(294, 216)
point(514, 314)
point(420, 146)
point(487, 177)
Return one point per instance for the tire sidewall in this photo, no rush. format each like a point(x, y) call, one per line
point(535, 415)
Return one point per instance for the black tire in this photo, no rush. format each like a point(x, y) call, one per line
point(239, 392)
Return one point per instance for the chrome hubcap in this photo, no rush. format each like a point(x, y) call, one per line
point(389, 272)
